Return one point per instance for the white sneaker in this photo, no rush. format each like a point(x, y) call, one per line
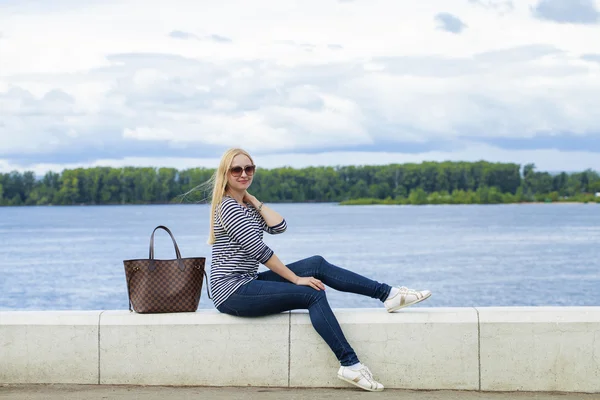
point(405, 297)
point(363, 378)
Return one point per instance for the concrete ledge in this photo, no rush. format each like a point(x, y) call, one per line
point(491, 349)
point(435, 348)
point(49, 347)
point(202, 348)
point(540, 348)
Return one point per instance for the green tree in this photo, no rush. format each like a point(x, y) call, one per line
point(417, 196)
point(427, 182)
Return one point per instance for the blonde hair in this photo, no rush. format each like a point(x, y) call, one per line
point(219, 185)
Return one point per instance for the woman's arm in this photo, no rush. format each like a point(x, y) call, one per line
point(271, 217)
point(275, 265)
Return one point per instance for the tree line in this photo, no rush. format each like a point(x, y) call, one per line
point(424, 183)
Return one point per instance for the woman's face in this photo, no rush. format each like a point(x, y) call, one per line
point(240, 181)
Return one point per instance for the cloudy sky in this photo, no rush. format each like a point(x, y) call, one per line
point(311, 82)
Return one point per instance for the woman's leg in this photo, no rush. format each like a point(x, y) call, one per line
point(264, 297)
point(334, 277)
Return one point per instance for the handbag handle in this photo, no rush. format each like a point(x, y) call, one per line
point(177, 252)
point(207, 285)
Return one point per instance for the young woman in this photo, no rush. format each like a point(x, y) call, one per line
point(237, 222)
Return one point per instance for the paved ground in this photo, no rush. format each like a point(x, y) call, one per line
point(102, 392)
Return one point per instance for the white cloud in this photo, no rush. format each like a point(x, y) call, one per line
point(545, 160)
point(499, 6)
point(314, 77)
point(146, 133)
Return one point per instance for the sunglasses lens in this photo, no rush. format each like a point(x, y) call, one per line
point(236, 170)
point(250, 169)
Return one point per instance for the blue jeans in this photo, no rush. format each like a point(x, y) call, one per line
point(272, 294)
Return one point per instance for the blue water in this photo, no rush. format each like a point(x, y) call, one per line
point(67, 258)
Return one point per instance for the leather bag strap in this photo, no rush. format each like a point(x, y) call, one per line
point(129, 291)
point(207, 285)
point(177, 252)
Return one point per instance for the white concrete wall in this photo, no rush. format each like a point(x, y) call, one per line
point(540, 348)
point(49, 347)
point(203, 348)
point(416, 348)
point(492, 349)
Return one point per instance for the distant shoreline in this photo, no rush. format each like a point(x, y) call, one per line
point(478, 182)
point(369, 202)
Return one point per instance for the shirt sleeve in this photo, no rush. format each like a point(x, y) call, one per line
point(274, 230)
point(240, 228)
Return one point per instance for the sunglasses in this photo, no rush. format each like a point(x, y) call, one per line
point(237, 171)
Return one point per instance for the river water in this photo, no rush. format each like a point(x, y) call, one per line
point(68, 258)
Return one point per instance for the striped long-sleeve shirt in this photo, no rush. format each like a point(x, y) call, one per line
point(238, 247)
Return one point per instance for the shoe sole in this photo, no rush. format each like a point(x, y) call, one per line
point(408, 304)
point(357, 385)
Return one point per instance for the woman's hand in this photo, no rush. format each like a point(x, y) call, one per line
point(310, 281)
point(248, 198)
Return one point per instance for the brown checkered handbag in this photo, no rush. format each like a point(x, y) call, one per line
point(165, 286)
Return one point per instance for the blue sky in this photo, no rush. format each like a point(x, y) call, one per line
point(317, 82)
